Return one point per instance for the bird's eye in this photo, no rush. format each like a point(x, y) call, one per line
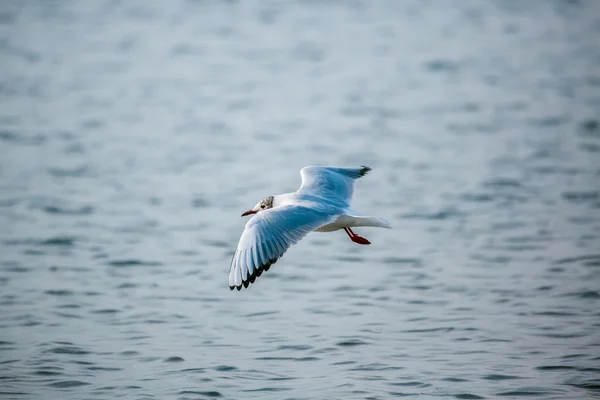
point(262, 206)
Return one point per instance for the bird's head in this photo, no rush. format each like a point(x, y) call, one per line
point(262, 205)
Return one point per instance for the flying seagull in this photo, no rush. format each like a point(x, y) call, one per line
point(322, 204)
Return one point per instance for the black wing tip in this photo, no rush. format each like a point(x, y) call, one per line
point(257, 272)
point(365, 170)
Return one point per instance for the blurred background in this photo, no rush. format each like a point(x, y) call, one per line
point(134, 133)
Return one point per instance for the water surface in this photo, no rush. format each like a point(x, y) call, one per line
point(133, 134)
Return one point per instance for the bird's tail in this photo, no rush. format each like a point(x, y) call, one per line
point(371, 221)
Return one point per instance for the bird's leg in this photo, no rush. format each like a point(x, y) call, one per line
point(356, 238)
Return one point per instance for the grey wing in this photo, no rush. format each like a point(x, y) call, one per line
point(267, 237)
point(331, 181)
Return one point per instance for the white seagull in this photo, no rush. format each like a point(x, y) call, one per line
point(322, 204)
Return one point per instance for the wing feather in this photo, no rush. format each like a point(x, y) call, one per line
point(266, 238)
point(255, 259)
point(331, 182)
point(249, 264)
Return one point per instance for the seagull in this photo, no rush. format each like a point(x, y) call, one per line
point(322, 204)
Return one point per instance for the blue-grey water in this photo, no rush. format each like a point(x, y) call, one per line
point(134, 133)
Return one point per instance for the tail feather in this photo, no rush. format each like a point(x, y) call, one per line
point(370, 221)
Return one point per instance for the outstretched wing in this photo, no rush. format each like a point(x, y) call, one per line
point(267, 237)
point(331, 181)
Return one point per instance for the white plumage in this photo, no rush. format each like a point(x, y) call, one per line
point(321, 204)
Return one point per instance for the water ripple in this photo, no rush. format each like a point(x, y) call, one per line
point(68, 384)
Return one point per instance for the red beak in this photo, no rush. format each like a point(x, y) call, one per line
point(249, 212)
